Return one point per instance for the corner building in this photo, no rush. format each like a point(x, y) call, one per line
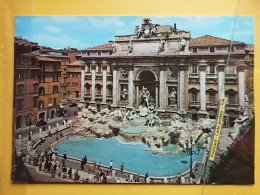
point(179, 72)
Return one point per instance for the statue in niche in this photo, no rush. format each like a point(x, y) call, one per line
point(172, 97)
point(145, 97)
point(124, 94)
point(182, 44)
point(130, 47)
point(113, 48)
point(161, 46)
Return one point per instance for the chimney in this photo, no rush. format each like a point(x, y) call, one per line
point(175, 28)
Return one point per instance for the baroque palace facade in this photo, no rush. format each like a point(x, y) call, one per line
point(179, 72)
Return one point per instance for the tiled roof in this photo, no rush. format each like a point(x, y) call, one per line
point(41, 58)
point(211, 40)
point(105, 46)
point(77, 62)
point(21, 41)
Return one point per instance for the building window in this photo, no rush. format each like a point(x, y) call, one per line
point(88, 53)
point(212, 68)
point(98, 89)
point(41, 66)
point(35, 87)
point(41, 91)
point(41, 104)
point(194, 68)
point(212, 98)
point(212, 49)
point(194, 97)
point(68, 83)
point(72, 83)
point(99, 68)
point(99, 53)
point(20, 76)
point(194, 50)
point(87, 89)
point(76, 84)
point(110, 89)
point(55, 89)
point(55, 77)
point(35, 100)
point(42, 78)
point(54, 101)
point(19, 105)
point(20, 89)
point(35, 76)
point(231, 99)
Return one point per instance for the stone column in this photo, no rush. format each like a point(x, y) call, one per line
point(130, 87)
point(104, 92)
point(137, 95)
point(82, 91)
point(162, 84)
point(221, 81)
point(137, 86)
point(115, 84)
point(93, 77)
point(241, 85)
point(202, 87)
point(156, 94)
point(181, 86)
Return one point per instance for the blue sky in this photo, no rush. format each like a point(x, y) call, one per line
point(85, 31)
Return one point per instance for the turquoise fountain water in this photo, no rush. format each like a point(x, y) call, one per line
point(132, 130)
point(135, 158)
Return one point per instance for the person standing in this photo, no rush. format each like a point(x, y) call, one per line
point(65, 155)
point(122, 167)
point(70, 173)
point(111, 165)
point(85, 160)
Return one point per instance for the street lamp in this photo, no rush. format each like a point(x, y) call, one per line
point(190, 152)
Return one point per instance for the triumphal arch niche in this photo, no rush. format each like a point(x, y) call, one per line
point(154, 58)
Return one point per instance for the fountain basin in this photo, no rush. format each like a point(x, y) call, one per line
point(132, 130)
point(135, 157)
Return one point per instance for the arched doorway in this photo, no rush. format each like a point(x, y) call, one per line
point(52, 113)
point(18, 122)
point(148, 79)
point(42, 116)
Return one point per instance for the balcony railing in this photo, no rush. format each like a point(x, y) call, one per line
point(211, 75)
point(231, 76)
point(194, 104)
point(194, 75)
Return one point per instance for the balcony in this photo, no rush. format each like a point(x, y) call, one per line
point(231, 78)
point(211, 78)
point(212, 106)
point(194, 77)
point(109, 97)
point(194, 105)
point(64, 84)
point(51, 70)
point(233, 107)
